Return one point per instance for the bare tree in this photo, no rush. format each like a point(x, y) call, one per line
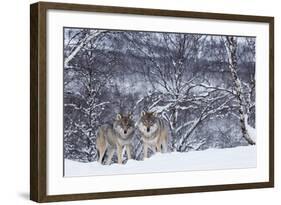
point(84, 86)
point(231, 47)
point(190, 80)
point(171, 58)
point(91, 34)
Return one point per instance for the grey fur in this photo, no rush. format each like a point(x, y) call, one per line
point(154, 133)
point(114, 137)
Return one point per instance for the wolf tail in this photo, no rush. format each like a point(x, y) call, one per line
point(101, 143)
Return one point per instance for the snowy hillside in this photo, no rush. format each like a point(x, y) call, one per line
point(211, 159)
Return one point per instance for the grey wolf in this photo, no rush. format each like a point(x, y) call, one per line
point(154, 133)
point(114, 137)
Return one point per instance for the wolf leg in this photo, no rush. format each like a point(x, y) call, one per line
point(119, 154)
point(128, 150)
point(164, 143)
point(145, 150)
point(101, 153)
point(164, 147)
point(101, 144)
point(110, 155)
point(158, 147)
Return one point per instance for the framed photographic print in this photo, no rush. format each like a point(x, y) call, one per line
point(134, 102)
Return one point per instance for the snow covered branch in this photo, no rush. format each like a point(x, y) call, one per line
point(83, 43)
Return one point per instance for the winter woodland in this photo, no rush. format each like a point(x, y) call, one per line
point(203, 86)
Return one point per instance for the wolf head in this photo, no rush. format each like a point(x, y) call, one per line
point(124, 124)
point(148, 122)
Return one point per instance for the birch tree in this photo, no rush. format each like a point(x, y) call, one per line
point(85, 83)
point(231, 47)
point(172, 59)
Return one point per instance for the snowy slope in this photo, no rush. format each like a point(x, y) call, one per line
point(231, 158)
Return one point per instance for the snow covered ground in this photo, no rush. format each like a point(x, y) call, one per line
point(211, 159)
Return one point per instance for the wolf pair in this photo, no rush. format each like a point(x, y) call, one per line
point(119, 135)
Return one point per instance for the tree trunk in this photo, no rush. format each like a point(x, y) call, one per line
point(173, 128)
point(231, 47)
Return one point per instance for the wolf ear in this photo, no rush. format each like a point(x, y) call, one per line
point(142, 113)
point(130, 115)
point(119, 116)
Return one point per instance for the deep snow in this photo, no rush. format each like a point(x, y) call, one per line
point(211, 159)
